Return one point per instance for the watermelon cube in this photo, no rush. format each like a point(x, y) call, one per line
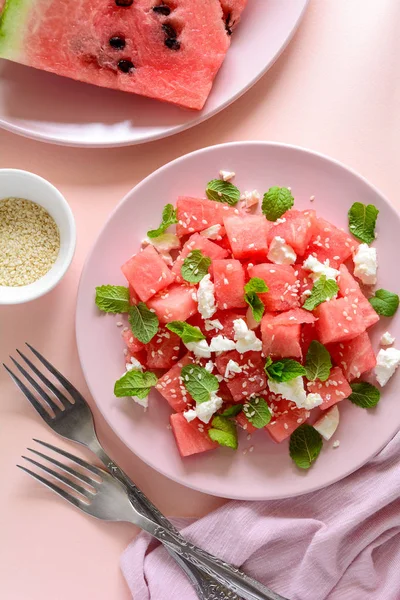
point(308, 334)
point(196, 214)
point(191, 438)
point(282, 283)
point(244, 423)
point(176, 303)
point(147, 273)
point(337, 321)
point(294, 316)
point(355, 357)
point(280, 341)
point(132, 343)
point(248, 236)
point(163, 350)
point(251, 380)
point(197, 242)
point(329, 242)
point(297, 229)
point(171, 387)
point(286, 417)
point(350, 289)
point(229, 280)
point(333, 390)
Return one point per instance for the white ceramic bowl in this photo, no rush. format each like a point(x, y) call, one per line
point(21, 184)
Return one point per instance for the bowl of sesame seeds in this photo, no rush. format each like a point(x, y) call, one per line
point(37, 236)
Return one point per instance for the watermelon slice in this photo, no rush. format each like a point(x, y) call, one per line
point(197, 214)
point(333, 390)
point(191, 438)
point(171, 53)
point(163, 350)
point(248, 236)
point(297, 229)
point(350, 289)
point(337, 322)
point(197, 242)
point(280, 341)
point(147, 273)
point(355, 357)
point(176, 303)
point(229, 279)
point(282, 283)
point(329, 242)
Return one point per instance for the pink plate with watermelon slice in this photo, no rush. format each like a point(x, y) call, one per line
point(64, 111)
point(267, 472)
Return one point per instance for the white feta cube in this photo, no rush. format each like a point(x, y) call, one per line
point(387, 339)
point(280, 252)
point(387, 362)
point(318, 268)
point(206, 297)
point(365, 264)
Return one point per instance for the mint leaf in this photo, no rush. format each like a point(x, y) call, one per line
point(224, 432)
point(276, 202)
point(362, 221)
point(144, 323)
point(222, 191)
point(257, 412)
point(318, 362)
point(364, 394)
point(305, 445)
point(252, 288)
point(199, 382)
point(284, 369)
point(135, 383)
point(186, 332)
point(112, 298)
point(232, 411)
point(257, 285)
point(195, 266)
point(385, 303)
point(322, 289)
point(168, 218)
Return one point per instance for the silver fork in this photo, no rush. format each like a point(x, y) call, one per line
point(75, 422)
point(108, 499)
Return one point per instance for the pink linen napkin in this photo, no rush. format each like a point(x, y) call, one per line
point(341, 543)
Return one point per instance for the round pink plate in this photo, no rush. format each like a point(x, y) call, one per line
point(267, 472)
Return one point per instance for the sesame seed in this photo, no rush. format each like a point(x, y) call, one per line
point(251, 245)
point(204, 221)
point(345, 331)
point(286, 426)
point(119, 323)
point(234, 240)
point(312, 198)
point(225, 305)
point(251, 449)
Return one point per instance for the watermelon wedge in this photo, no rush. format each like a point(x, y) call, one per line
point(168, 51)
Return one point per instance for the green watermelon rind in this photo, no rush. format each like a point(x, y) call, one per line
point(15, 13)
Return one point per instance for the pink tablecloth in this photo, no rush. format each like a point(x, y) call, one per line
point(335, 89)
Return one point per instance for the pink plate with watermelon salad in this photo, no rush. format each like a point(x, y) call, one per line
point(148, 48)
point(280, 361)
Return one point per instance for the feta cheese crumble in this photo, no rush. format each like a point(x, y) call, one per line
point(291, 390)
point(318, 268)
point(227, 175)
point(246, 339)
point(134, 365)
point(206, 298)
point(387, 362)
point(212, 233)
point(164, 243)
point(387, 339)
point(336, 444)
point(205, 410)
point(311, 401)
point(199, 349)
point(220, 343)
point(232, 368)
point(250, 199)
point(365, 264)
point(209, 367)
point(328, 423)
point(280, 252)
point(215, 324)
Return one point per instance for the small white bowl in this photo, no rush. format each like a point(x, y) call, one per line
point(22, 184)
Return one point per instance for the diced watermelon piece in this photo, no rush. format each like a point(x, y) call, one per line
point(176, 303)
point(280, 341)
point(350, 289)
point(133, 344)
point(244, 423)
point(170, 386)
point(333, 390)
point(333, 324)
point(251, 380)
point(232, 12)
point(133, 297)
point(225, 317)
point(229, 280)
point(286, 417)
point(282, 283)
point(294, 316)
point(224, 243)
point(196, 214)
point(140, 356)
point(147, 273)
point(163, 349)
point(355, 357)
point(308, 334)
point(296, 230)
point(191, 438)
point(197, 242)
point(248, 236)
point(330, 242)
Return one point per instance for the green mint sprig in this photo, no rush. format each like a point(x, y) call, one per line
point(135, 383)
point(195, 266)
point(362, 221)
point(284, 369)
point(222, 191)
point(252, 288)
point(322, 289)
point(112, 298)
point(186, 332)
point(318, 362)
point(385, 303)
point(169, 217)
point(143, 322)
point(305, 445)
point(224, 432)
point(364, 394)
point(276, 202)
point(199, 382)
point(257, 412)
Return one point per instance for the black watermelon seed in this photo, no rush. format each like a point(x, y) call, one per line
point(172, 43)
point(124, 2)
point(169, 31)
point(163, 9)
point(117, 42)
point(126, 66)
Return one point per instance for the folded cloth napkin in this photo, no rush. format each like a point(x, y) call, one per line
point(341, 543)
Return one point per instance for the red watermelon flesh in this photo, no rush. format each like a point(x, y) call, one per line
point(286, 417)
point(280, 341)
point(244, 423)
point(329, 242)
point(248, 236)
point(251, 380)
point(350, 289)
point(333, 390)
point(294, 316)
point(133, 344)
point(147, 273)
point(133, 297)
point(171, 387)
point(229, 280)
point(226, 319)
point(308, 334)
point(176, 303)
point(172, 57)
point(282, 283)
point(197, 242)
point(333, 324)
point(297, 229)
point(232, 12)
point(163, 350)
point(191, 438)
point(355, 357)
point(197, 214)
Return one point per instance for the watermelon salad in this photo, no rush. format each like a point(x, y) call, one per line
point(170, 50)
point(247, 313)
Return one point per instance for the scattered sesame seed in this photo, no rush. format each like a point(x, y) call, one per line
point(119, 323)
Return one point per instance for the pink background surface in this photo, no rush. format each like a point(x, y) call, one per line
point(336, 89)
